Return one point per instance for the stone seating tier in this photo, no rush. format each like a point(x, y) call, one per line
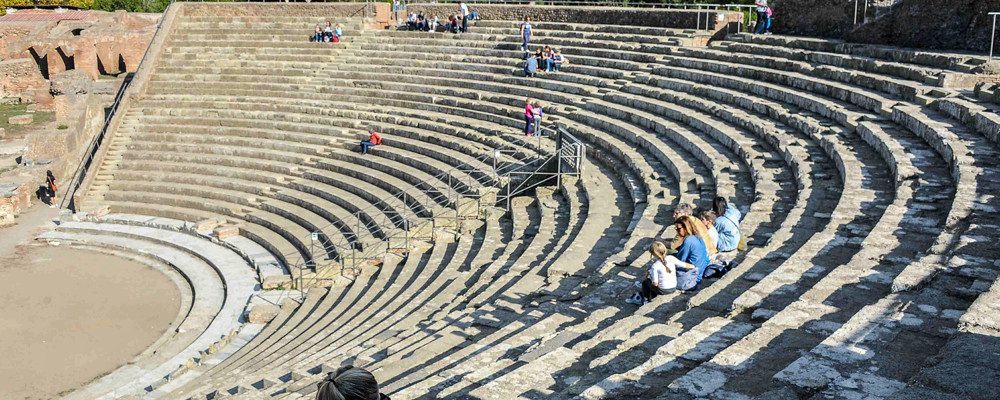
point(865, 178)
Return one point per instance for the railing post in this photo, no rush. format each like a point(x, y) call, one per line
point(993, 36)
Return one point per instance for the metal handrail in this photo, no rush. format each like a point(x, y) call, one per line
point(427, 188)
point(95, 144)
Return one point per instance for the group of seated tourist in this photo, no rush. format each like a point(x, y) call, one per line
point(545, 60)
point(704, 246)
point(420, 22)
point(328, 34)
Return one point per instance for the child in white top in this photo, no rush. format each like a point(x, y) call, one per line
point(661, 277)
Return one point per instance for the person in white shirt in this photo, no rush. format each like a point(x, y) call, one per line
point(465, 16)
point(660, 279)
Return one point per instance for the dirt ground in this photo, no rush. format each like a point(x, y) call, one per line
point(68, 316)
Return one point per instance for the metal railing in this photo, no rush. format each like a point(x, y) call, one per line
point(569, 158)
point(463, 184)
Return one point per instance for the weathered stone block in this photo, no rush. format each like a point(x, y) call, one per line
point(207, 226)
point(277, 282)
point(24, 119)
point(262, 313)
point(226, 231)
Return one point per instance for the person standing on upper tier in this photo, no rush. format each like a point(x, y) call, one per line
point(525, 33)
point(762, 17)
point(529, 118)
point(465, 16)
point(397, 6)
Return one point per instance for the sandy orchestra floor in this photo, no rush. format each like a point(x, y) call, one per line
point(68, 316)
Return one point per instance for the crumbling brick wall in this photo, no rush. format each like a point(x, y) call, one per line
point(21, 79)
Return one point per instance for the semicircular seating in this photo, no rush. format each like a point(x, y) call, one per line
point(216, 283)
point(866, 175)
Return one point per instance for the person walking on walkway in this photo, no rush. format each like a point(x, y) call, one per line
point(763, 20)
point(464, 8)
point(525, 33)
point(50, 188)
point(373, 140)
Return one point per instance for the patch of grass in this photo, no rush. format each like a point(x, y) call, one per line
point(63, 127)
point(11, 110)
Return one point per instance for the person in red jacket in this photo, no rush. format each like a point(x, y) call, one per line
point(373, 140)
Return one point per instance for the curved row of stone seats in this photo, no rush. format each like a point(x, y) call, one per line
point(890, 225)
point(935, 185)
point(221, 283)
point(265, 263)
point(828, 140)
point(930, 189)
point(299, 244)
point(909, 58)
point(448, 300)
point(494, 317)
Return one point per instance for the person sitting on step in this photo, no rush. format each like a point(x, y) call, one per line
point(318, 35)
point(694, 252)
point(540, 59)
point(728, 225)
point(547, 55)
point(558, 60)
point(328, 32)
point(349, 383)
point(530, 67)
point(411, 21)
point(434, 24)
point(373, 140)
point(682, 209)
point(339, 32)
point(708, 218)
point(661, 278)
